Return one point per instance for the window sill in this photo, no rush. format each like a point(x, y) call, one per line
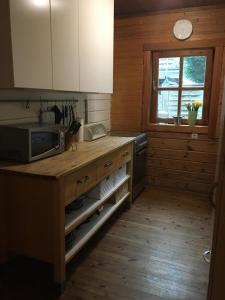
point(161, 127)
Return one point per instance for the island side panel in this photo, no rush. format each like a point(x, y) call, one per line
point(59, 233)
point(31, 206)
point(3, 224)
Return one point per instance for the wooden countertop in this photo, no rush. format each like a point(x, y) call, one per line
point(63, 164)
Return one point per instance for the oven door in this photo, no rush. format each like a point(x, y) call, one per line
point(44, 144)
point(140, 160)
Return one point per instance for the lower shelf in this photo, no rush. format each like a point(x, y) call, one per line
point(91, 205)
point(86, 231)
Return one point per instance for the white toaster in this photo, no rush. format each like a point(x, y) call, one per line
point(94, 131)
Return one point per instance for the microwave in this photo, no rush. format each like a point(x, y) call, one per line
point(30, 142)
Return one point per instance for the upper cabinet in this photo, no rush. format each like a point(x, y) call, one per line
point(62, 45)
point(82, 45)
point(25, 52)
point(96, 19)
point(65, 44)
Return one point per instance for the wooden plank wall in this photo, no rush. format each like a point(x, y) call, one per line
point(99, 108)
point(174, 159)
point(177, 161)
point(13, 105)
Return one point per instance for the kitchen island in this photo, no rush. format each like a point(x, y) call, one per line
point(36, 196)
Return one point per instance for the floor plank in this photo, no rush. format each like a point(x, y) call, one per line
point(152, 251)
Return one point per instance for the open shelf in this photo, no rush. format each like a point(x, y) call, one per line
point(86, 231)
point(77, 217)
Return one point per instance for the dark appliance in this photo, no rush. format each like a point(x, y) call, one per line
point(30, 142)
point(140, 159)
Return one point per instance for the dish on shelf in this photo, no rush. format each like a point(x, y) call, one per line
point(70, 240)
point(76, 217)
point(85, 231)
point(76, 204)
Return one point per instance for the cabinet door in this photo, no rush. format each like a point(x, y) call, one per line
point(65, 45)
point(96, 24)
point(31, 43)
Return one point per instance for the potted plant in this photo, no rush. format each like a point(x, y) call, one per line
point(193, 112)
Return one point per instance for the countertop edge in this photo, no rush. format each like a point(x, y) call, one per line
point(61, 175)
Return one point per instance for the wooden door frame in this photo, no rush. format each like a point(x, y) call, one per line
point(216, 289)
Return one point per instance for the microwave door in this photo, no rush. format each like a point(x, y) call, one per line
point(44, 144)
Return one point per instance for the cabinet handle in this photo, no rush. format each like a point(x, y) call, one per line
point(125, 154)
point(80, 181)
point(86, 178)
point(108, 164)
point(83, 180)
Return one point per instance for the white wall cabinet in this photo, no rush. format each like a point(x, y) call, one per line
point(31, 43)
point(65, 48)
point(26, 44)
point(82, 45)
point(57, 44)
point(96, 19)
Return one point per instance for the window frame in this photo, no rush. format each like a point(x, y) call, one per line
point(181, 53)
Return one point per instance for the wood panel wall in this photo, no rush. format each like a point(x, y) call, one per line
point(13, 105)
point(99, 109)
point(14, 109)
point(174, 160)
point(177, 161)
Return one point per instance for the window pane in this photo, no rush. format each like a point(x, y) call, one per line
point(169, 72)
point(189, 97)
point(167, 104)
point(194, 70)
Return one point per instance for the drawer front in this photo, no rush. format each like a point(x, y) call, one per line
point(107, 165)
point(86, 178)
point(125, 155)
point(79, 182)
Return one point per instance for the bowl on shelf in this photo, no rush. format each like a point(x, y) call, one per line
point(76, 204)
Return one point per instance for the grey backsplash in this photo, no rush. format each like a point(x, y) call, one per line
point(18, 106)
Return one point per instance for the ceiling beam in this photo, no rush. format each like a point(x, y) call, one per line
point(133, 7)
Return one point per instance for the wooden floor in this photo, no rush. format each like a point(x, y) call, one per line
point(150, 252)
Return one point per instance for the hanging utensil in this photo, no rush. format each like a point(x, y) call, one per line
point(71, 120)
point(66, 114)
point(74, 126)
point(58, 114)
point(63, 115)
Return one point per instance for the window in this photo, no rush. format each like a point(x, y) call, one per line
point(180, 77)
